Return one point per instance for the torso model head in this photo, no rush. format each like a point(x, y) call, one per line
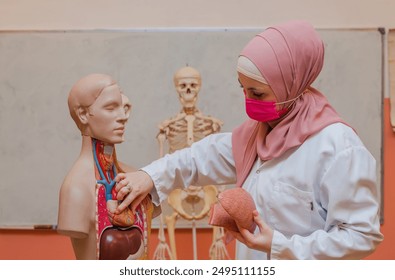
point(187, 81)
point(99, 108)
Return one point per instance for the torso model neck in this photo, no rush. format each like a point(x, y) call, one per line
point(105, 153)
point(106, 163)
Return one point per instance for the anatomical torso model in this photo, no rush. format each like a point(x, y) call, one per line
point(87, 200)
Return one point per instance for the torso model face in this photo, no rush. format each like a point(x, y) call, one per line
point(108, 115)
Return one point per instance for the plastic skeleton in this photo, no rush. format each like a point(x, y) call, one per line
point(181, 131)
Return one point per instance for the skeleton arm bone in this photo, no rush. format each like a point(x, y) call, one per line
point(161, 137)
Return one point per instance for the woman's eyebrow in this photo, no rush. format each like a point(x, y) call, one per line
point(252, 88)
point(256, 89)
point(259, 88)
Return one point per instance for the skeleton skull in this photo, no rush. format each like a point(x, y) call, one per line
point(187, 81)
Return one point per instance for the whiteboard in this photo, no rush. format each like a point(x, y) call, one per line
point(39, 141)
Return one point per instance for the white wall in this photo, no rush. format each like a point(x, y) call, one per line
point(126, 14)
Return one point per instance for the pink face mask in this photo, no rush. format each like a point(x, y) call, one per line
point(263, 111)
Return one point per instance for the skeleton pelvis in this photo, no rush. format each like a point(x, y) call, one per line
point(187, 201)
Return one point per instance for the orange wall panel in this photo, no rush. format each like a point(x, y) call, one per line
point(48, 245)
point(386, 249)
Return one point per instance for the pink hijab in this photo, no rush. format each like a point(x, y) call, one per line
point(289, 56)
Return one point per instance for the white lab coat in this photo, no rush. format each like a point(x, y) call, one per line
point(321, 199)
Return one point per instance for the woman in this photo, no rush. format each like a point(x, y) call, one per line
point(312, 179)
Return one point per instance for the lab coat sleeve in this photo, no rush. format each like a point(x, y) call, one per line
point(350, 195)
point(208, 161)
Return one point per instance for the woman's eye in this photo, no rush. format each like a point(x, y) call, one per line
point(257, 94)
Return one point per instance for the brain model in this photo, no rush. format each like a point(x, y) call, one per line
point(233, 207)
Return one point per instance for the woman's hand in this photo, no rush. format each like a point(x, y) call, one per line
point(261, 241)
point(132, 188)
